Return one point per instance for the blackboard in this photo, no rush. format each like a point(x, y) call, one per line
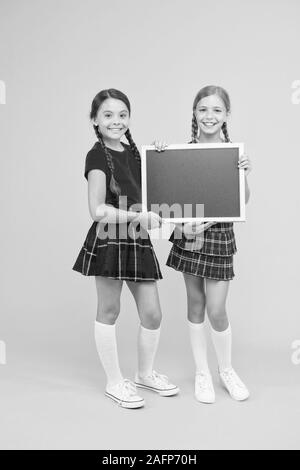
point(200, 181)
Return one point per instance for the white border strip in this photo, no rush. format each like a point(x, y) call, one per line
point(2, 352)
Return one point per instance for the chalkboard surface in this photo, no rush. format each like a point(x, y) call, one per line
point(191, 175)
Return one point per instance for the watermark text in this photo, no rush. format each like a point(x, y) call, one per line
point(295, 98)
point(109, 226)
point(2, 353)
point(296, 354)
point(2, 92)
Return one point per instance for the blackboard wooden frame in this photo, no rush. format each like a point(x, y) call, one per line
point(237, 176)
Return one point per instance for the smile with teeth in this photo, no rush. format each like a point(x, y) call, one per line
point(209, 124)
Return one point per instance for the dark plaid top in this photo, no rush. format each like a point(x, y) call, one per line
point(218, 240)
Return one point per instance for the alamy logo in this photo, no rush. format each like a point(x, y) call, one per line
point(135, 230)
point(2, 352)
point(2, 92)
point(295, 98)
point(296, 354)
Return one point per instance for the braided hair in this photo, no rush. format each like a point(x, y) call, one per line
point(113, 185)
point(208, 91)
point(97, 102)
point(194, 129)
point(133, 147)
point(225, 132)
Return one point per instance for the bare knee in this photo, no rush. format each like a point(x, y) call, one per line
point(196, 309)
point(151, 318)
point(218, 318)
point(196, 298)
point(108, 313)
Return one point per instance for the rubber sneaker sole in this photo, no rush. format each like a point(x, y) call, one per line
point(163, 393)
point(124, 403)
point(206, 402)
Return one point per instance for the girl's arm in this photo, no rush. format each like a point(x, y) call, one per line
point(160, 145)
point(96, 198)
point(247, 190)
point(245, 164)
point(101, 212)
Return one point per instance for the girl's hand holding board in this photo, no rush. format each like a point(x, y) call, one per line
point(191, 229)
point(245, 164)
point(160, 145)
point(149, 220)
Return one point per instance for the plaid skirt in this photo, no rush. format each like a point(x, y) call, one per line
point(123, 254)
point(199, 264)
point(218, 240)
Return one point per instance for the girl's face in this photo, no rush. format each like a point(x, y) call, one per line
point(211, 113)
point(112, 119)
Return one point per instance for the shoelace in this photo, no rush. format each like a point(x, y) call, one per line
point(232, 379)
point(202, 381)
point(160, 379)
point(128, 387)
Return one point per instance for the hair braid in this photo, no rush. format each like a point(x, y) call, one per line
point(225, 132)
point(133, 146)
point(113, 185)
point(194, 129)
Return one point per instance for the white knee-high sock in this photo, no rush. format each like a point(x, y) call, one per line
point(199, 346)
point(106, 344)
point(147, 347)
point(222, 341)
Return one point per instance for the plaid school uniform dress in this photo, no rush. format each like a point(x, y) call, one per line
point(208, 255)
point(126, 255)
point(118, 251)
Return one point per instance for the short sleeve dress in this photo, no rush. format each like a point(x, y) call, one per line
point(118, 251)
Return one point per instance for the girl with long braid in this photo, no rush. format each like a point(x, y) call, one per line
point(117, 248)
point(203, 252)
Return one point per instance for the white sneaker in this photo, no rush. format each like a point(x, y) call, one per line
point(204, 389)
point(233, 384)
point(125, 394)
point(157, 383)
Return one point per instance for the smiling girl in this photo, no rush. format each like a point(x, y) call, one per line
point(203, 252)
point(117, 248)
